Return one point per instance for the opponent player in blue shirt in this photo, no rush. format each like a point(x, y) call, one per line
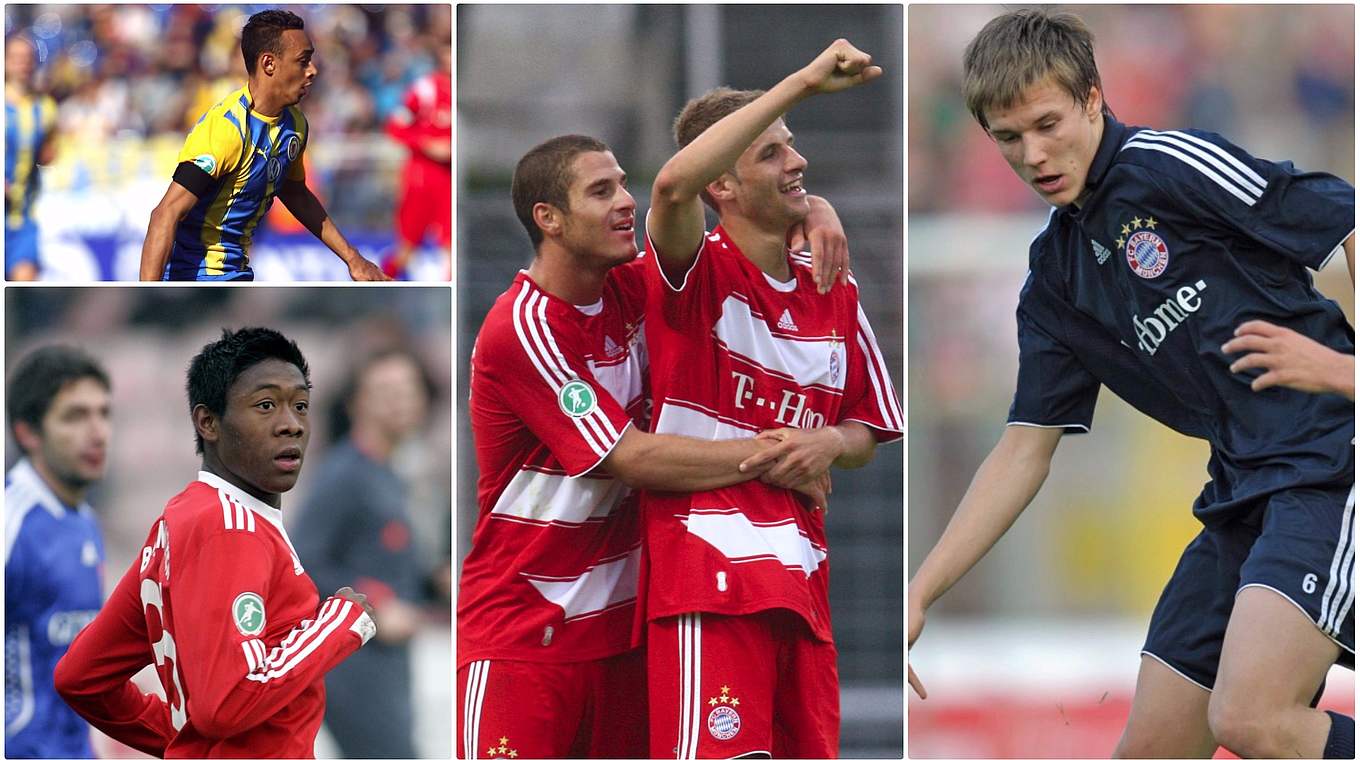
point(243, 152)
point(1160, 246)
point(58, 406)
point(30, 125)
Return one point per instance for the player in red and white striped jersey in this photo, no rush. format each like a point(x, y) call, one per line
point(546, 663)
point(217, 599)
point(741, 660)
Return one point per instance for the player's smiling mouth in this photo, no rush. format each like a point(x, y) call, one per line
point(794, 187)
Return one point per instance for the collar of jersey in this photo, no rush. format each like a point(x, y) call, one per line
point(272, 514)
point(244, 94)
point(1112, 139)
point(24, 473)
point(731, 245)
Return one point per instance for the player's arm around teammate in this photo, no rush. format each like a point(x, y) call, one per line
point(1003, 486)
point(299, 199)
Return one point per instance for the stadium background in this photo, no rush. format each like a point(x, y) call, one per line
point(130, 81)
point(145, 338)
point(622, 72)
point(1034, 654)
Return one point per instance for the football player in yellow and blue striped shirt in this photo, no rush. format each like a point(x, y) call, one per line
point(30, 123)
point(242, 153)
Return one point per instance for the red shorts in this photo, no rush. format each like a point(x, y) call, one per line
point(722, 686)
point(426, 205)
point(511, 709)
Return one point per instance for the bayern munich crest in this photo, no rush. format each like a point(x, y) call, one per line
point(723, 720)
point(1144, 249)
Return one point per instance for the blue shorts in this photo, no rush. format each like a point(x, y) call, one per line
point(1299, 543)
point(21, 246)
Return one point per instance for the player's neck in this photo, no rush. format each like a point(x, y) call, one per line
point(561, 274)
point(261, 102)
point(212, 463)
point(70, 495)
point(766, 249)
point(15, 90)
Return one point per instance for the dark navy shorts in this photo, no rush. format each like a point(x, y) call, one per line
point(1299, 543)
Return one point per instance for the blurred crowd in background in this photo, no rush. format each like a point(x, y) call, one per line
point(130, 81)
point(149, 69)
point(1034, 652)
point(145, 338)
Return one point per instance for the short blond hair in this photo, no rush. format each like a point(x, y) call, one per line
point(1017, 49)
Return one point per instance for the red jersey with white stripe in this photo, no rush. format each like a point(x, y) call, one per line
point(219, 602)
point(735, 352)
point(552, 574)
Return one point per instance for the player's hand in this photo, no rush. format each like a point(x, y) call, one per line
point(816, 491)
point(1290, 359)
point(839, 67)
point(799, 454)
point(345, 592)
point(363, 270)
point(830, 250)
point(916, 620)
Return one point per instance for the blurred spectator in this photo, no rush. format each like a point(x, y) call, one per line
point(355, 530)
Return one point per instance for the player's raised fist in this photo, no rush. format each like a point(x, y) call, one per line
point(840, 67)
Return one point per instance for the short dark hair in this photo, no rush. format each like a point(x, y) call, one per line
point(1017, 49)
point(262, 32)
point(218, 364)
point(543, 175)
point(41, 375)
point(706, 110)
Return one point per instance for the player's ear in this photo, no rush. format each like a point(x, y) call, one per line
point(29, 439)
point(206, 424)
point(721, 189)
point(549, 218)
point(267, 63)
point(1095, 102)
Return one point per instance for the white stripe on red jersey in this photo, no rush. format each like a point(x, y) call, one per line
point(552, 575)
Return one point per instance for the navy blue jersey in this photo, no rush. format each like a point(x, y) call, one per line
point(1182, 237)
point(54, 560)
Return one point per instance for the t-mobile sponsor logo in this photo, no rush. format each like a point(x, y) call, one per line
point(1153, 330)
point(790, 409)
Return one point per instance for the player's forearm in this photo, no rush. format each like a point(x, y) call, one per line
point(1003, 486)
point(859, 445)
point(717, 149)
point(676, 463)
point(236, 700)
point(93, 678)
point(160, 236)
point(312, 215)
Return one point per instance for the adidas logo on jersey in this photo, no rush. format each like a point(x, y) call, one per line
point(1102, 253)
point(786, 322)
point(611, 349)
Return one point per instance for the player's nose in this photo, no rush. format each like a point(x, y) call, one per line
point(796, 162)
point(1033, 150)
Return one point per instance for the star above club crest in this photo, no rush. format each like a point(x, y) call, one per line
point(1137, 223)
point(1126, 230)
point(1151, 223)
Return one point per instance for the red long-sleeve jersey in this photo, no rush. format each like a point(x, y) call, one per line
point(219, 602)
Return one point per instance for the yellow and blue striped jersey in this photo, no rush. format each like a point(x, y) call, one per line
point(247, 155)
point(29, 121)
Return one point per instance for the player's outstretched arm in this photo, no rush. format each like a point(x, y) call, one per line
point(299, 199)
point(676, 220)
point(1003, 486)
point(675, 463)
point(822, 229)
point(1290, 359)
point(160, 233)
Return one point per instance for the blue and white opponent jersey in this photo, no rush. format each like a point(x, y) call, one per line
point(1182, 237)
point(54, 564)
